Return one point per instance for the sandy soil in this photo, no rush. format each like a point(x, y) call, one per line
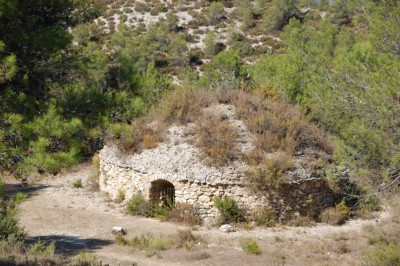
point(81, 219)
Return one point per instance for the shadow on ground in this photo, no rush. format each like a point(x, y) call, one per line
point(11, 189)
point(70, 245)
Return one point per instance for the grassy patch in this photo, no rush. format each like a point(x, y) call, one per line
point(250, 246)
point(17, 198)
point(41, 248)
point(372, 240)
point(149, 242)
point(182, 106)
point(160, 243)
point(77, 183)
point(85, 259)
point(140, 242)
point(383, 256)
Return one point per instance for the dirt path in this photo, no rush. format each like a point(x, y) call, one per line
point(80, 219)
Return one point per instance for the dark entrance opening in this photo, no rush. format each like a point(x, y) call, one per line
point(162, 192)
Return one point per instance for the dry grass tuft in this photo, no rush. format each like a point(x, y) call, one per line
point(270, 173)
point(276, 124)
point(199, 256)
point(120, 239)
point(217, 139)
point(150, 140)
point(187, 239)
point(150, 242)
point(388, 230)
point(184, 213)
point(336, 215)
point(93, 180)
point(141, 134)
point(264, 216)
point(182, 106)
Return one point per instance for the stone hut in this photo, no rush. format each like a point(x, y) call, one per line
point(175, 171)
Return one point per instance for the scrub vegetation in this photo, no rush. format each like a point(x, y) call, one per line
point(319, 78)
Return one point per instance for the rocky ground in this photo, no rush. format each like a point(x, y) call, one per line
point(82, 219)
point(191, 17)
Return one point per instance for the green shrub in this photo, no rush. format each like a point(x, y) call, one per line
point(125, 137)
point(229, 210)
point(162, 8)
point(225, 72)
point(342, 208)
point(172, 21)
point(18, 198)
point(216, 12)
point(9, 226)
point(54, 142)
point(244, 48)
point(138, 205)
point(368, 203)
point(180, 213)
point(85, 259)
point(10, 231)
point(383, 256)
point(162, 211)
point(250, 246)
point(211, 46)
point(41, 248)
point(77, 183)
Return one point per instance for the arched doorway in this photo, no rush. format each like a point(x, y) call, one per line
point(162, 192)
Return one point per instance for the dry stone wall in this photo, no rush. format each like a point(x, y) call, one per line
point(178, 162)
